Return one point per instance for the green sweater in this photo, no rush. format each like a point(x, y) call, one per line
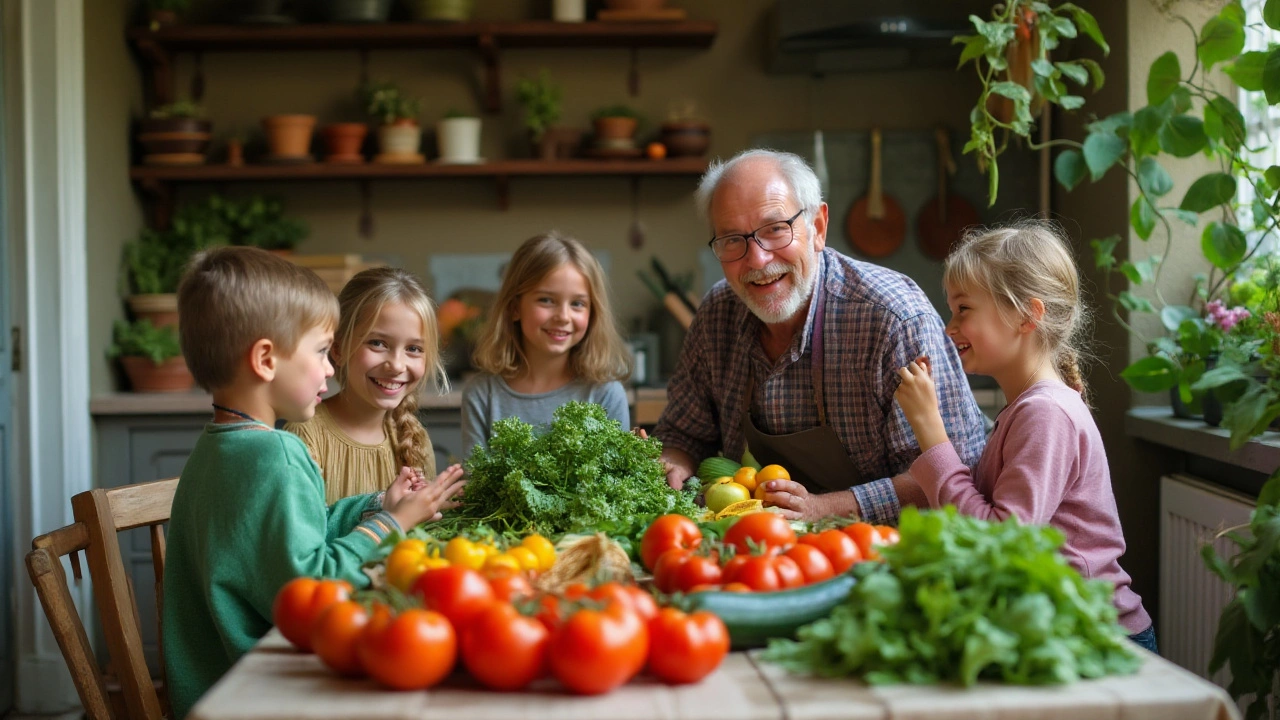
point(249, 516)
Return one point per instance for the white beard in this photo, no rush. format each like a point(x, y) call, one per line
point(784, 309)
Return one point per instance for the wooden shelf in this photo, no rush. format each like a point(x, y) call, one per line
point(487, 38)
point(378, 36)
point(158, 180)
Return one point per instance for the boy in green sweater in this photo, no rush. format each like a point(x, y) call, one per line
point(249, 513)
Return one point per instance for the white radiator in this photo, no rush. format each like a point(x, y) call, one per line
point(1191, 597)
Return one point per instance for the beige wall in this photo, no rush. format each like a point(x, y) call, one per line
point(417, 218)
point(113, 95)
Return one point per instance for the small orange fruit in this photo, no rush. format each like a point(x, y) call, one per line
point(772, 472)
point(746, 477)
point(656, 150)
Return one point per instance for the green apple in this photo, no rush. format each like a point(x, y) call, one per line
point(723, 494)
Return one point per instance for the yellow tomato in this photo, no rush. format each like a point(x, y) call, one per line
point(746, 477)
point(464, 553)
point(403, 567)
point(543, 548)
point(432, 563)
point(489, 549)
point(527, 558)
point(414, 544)
point(772, 472)
point(502, 560)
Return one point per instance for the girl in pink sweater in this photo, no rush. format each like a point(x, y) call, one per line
point(1015, 310)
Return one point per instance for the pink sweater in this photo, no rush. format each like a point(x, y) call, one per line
point(1045, 464)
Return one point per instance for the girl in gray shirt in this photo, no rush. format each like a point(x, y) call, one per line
point(550, 338)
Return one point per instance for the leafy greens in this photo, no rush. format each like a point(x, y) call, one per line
point(959, 599)
point(582, 472)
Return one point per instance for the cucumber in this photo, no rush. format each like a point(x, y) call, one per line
point(717, 467)
point(753, 618)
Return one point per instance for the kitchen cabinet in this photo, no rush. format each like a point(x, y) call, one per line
point(488, 39)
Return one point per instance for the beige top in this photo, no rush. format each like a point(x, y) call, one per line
point(350, 467)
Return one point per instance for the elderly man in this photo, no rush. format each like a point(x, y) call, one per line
point(795, 354)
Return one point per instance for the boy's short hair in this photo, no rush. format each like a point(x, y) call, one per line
point(231, 297)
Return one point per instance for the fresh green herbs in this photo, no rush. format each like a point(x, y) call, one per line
point(961, 599)
point(583, 472)
point(1249, 629)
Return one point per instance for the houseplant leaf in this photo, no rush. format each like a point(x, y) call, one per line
point(1171, 316)
point(1246, 71)
point(1101, 151)
point(1103, 251)
point(1142, 217)
point(1152, 374)
point(1069, 168)
point(1164, 76)
point(1133, 303)
point(1223, 244)
point(1271, 14)
point(1182, 136)
point(1208, 192)
point(1223, 122)
point(1144, 134)
point(1271, 76)
point(1153, 178)
point(1221, 38)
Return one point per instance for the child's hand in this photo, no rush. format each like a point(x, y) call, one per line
point(919, 401)
point(416, 501)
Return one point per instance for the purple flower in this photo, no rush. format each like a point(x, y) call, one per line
point(1225, 319)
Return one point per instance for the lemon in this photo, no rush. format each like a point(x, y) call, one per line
point(723, 494)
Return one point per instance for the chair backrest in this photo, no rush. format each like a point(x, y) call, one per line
point(100, 515)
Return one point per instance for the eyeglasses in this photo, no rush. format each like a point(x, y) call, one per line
point(774, 236)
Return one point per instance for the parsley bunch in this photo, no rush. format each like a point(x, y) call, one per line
point(959, 599)
point(583, 472)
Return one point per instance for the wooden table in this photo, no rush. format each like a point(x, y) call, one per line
point(274, 682)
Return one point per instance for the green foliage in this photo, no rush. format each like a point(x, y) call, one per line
point(453, 113)
point(182, 108)
point(541, 100)
point(616, 111)
point(1249, 628)
point(582, 472)
point(961, 599)
point(142, 339)
point(255, 221)
point(386, 102)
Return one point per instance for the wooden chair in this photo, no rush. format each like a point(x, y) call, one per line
point(100, 516)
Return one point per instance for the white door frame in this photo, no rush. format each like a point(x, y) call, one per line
point(43, 43)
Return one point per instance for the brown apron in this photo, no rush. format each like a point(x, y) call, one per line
point(815, 457)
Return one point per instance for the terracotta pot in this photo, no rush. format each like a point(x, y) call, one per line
point(343, 141)
point(235, 153)
point(686, 139)
point(171, 375)
point(289, 136)
point(174, 141)
point(639, 5)
point(161, 309)
point(1019, 53)
point(615, 128)
point(451, 10)
point(559, 143)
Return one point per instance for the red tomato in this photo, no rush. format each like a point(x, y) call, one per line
point(704, 587)
point(335, 634)
point(503, 649)
point(668, 532)
point(300, 602)
point(667, 570)
point(736, 587)
point(575, 591)
point(866, 537)
point(686, 648)
point(629, 596)
point(410, 651)
point(888, 535)
point(595, 651)
point(731, 568)
point(765, 529)
point(642, 603)
point(510, 585)
point(456, 592)
point(788, 572)
point(549, 612)
point(697, 570)
point(813, 564)
point(839, 548)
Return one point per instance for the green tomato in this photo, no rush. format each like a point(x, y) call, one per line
point(723, 494)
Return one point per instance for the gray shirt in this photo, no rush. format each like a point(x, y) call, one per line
point(487, 399)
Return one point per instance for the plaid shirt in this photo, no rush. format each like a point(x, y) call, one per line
point(877, 321)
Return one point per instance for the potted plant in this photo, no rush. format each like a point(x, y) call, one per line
point(165, 12)
point(154, 261)
point(435, 10)
point(175, 134)
point(615, 131)
point(260, 222)
point(398, 134)
point(540, 98)
point(289, 137)
point(684, 134)
point(362, 11)
point(458, 138)
point(151, 357)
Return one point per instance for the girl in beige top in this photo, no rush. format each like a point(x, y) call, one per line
point(386, 343)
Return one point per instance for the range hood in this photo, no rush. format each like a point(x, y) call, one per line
point(837, 36)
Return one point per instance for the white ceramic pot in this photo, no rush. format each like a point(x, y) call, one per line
point(458, 140)
point(400, 139)
point(569, 10)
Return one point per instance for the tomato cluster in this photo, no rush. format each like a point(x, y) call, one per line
point(591, 639)
point(760, 553)
point(410, 558)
